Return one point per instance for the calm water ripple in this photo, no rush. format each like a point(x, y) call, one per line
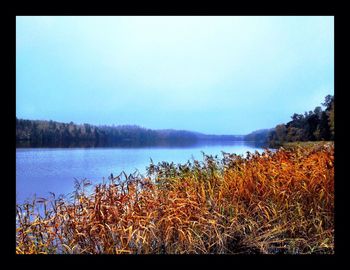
point(43, 170)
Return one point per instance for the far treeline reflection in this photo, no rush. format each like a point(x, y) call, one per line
point(125, 144)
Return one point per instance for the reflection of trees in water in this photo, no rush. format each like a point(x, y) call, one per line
point(256, 144)
point(92, 144)
point(129, 144)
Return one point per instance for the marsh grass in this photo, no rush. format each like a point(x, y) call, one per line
point(270, 202)
point(312, 144)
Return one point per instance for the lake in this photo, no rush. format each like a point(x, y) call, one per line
point(43, 170)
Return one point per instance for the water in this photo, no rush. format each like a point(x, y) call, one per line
point(43, 170)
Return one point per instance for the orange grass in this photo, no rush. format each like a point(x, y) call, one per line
point(280, 202)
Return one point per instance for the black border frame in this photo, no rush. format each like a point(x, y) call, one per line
point(169, 260)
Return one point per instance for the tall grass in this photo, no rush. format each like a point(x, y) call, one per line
point(280, 202)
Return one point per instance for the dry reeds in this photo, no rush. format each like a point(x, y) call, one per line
point(280, 202)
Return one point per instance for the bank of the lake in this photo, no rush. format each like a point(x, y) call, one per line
point(291, 145)
point(269, 202)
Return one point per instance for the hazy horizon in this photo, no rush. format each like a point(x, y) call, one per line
point(127, 125)
point(213, 75)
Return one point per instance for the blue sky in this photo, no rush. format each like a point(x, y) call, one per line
point(216, 75)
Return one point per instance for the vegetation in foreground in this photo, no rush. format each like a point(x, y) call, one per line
point(268, 203)
point(292, 145)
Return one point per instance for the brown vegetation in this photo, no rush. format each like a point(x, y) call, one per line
point(280, 202)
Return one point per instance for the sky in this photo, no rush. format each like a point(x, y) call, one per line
point(216, 75)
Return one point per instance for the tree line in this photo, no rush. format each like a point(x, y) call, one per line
point(41, 133)
point(316, 125)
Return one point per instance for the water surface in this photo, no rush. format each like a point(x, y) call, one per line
point(41, 170)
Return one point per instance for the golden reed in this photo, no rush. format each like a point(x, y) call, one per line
point(270, 202)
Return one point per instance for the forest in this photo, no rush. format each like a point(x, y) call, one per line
point(41, 133)
point(316, 125)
